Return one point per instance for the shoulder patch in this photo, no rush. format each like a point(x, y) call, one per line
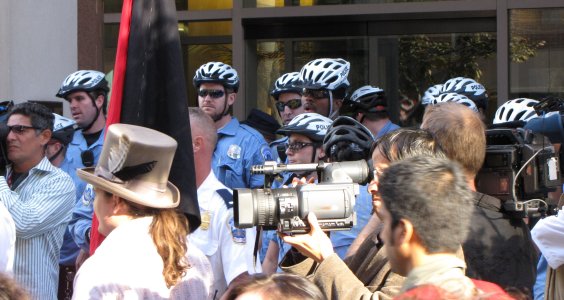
point(227, 197)
point(266, 153)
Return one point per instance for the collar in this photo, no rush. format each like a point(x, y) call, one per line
point(229, 128)
point(81, 141)
point(44, 165)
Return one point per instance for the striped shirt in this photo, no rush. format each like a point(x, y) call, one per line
point(41, 207)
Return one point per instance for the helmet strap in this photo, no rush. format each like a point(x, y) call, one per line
point(332, 114)
point(95, 118)
point(54, 156)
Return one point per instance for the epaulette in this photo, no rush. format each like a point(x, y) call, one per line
point(227, 197)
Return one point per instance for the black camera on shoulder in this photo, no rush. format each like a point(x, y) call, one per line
point(520, 168)
point(286, 209)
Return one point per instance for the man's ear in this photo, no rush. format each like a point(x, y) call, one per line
point(99, 101)
point(197, 143)
point(231, 98)
point(45, 137)
point(403, 234)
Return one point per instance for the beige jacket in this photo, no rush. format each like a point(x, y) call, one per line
point(365, 275)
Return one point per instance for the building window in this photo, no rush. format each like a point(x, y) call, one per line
point(536, 53)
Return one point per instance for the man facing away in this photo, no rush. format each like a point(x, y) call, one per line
point(426, 211)
point(40, 198)
point(229, 249)
point(238, 146)
point(499, 247)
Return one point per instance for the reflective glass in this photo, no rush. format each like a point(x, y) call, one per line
point(114, 6)
point(536, 48)
point(281, 3)
point(193, 29)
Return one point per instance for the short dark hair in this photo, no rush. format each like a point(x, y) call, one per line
point(277, 286)
point(404, 143)
point(433, 195)
point(41, 117)
point(95, 94)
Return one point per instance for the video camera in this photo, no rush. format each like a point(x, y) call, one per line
point(521, 167)
point(286, 209)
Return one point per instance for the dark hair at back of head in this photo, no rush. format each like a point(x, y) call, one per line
point(429, 193)
point(39, 115)
point(404, 142)
point(277, 286)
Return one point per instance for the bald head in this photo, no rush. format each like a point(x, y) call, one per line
point(204, 138)
point(200, 125)
point(460, 132)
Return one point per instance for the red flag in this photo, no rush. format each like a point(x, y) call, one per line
point(149, 88)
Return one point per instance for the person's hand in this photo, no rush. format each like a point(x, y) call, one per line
point(315, 245)
point(302, 181)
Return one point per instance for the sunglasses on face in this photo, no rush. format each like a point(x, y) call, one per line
point(316, 94)
point(212, 93)
point(19, 129)
point(292, 104)
point(297, 146)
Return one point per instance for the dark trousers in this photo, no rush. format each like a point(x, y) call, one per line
point(66, 279)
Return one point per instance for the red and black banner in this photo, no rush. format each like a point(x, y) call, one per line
point(149, 88)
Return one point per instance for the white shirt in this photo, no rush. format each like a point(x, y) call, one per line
point(128, 266)
point(548, 235)
point(8, 240)
point(229, 258)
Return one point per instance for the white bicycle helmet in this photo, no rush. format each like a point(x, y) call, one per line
point(469, 88)
point(63, 129)
point(312, 125)
point(369, 99)
point(84, 80)
point(454, 97)
point(520, 109)
point(325, 73)
point(217, 72)
point(347, 140)
point(430, 94)
point(287, 83)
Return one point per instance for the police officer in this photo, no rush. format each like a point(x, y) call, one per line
point(86, 91)
point(287, 95)
point(239, 146)
point(325, 84)
point(228, 248)
point(305, 145)
point(369, 106)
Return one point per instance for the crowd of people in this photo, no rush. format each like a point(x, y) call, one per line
point(87, 212)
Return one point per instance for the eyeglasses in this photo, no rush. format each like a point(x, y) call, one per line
point(377, 173)
point(297, 146)
point(20, 129)
point(316, 94)
point(87, 157)
point(292, 104)
point(212, 93)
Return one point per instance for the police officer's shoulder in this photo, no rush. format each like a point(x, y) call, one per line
point(252, 132)
point(227, 197)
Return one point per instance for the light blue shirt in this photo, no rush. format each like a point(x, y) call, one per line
point(41, 207)
point(538, 287)
point(238, 148)
point(341, 240)
point(73, 161)
point(387, 128)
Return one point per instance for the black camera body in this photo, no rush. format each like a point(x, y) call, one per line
point(510, 150)
point(286, 209)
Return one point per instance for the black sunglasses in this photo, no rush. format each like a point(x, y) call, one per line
point(87, 157)
point(297, 146)
point(212, 93)
point(292, 104)
point(20, 129)
point(316, 94)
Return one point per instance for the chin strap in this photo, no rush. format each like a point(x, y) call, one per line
point(94, 120)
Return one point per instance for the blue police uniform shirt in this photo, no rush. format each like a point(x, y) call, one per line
point(73, 161)
point(342, 240)
point(387, 128)
point(238, 148)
